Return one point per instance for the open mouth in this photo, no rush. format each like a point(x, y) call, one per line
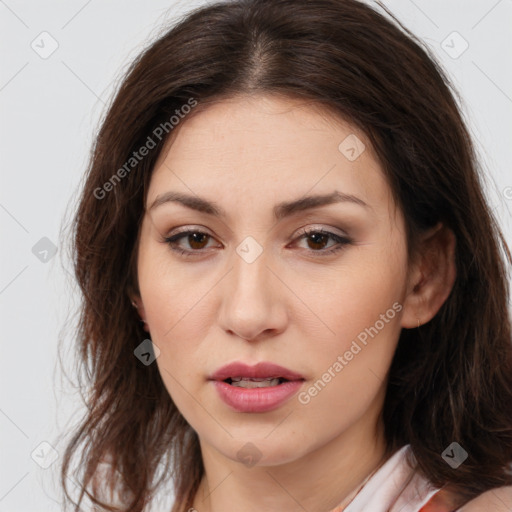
point(258, 388)
point(249, 383)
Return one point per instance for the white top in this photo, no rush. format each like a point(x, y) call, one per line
point(396, 487)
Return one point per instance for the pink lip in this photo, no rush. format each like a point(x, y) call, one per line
point(261, 370)
point(256, 399)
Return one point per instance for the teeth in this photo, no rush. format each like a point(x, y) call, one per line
point(254, 383)
point(255, 379)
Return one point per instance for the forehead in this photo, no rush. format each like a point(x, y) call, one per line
point(274, 145)
point(273, 121)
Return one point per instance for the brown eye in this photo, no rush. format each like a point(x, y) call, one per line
point(197, 240)
point(317, 241)
point(318, 238)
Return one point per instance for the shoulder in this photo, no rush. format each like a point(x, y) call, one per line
point(497, 500)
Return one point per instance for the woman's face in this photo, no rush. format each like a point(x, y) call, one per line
point(252, 286)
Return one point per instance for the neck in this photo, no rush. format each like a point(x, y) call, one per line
point(322, 479)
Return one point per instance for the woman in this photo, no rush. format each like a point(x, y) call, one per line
point(285, 195)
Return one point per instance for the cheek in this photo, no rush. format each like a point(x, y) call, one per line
point(180, 316)
point(363, 290)
point(173, 295)
point(178, 322)
point(363, 311)
point(350, 367)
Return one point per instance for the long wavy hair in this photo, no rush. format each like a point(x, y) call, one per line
point(450, 379)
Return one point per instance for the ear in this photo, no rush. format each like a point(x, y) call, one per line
point(138, 305)
point(431, 276)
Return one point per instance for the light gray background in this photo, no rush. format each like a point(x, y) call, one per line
point(49, 110)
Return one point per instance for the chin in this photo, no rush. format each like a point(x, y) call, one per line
point(260, 452)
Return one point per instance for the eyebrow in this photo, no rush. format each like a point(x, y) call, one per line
point(280, 210)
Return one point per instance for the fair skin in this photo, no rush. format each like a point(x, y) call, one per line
point(291, 305)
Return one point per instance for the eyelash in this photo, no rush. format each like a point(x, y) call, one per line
point(342, 241)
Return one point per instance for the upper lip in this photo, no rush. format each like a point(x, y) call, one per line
point(261, 370)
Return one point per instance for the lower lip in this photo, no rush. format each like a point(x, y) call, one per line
point(256, 399)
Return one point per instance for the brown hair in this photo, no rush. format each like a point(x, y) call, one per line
point(450, 380)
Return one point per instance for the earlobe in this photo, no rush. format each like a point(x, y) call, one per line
point(139, 307)
point(432, 278)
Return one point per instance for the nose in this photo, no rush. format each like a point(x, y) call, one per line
point(253, 304)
